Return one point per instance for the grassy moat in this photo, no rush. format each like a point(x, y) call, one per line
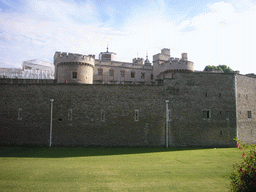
point(116, 169)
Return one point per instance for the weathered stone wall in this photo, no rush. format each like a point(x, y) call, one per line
point(84, 73)
point(85, 127)
point(192, 93)
point(246, 101)
point(189, 94)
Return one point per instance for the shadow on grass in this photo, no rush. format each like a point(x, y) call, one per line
point(61, 152)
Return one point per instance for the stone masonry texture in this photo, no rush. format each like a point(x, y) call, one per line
point(205, 111)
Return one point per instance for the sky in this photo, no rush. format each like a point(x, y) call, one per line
point(210, 32)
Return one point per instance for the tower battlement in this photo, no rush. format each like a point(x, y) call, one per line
point(60, 57)
point(164, 64)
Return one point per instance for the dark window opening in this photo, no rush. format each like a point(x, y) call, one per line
point(111, 72)
point(100, 71)
point(249, 114)
point(206, 114)
point(74, 75)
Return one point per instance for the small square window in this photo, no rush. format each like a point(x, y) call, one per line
point(142, 75)
point(249, 114)
point(100, 71)
point(20, 114)
point(74, 75)
point(219, 94)
point(136, 114)
point(111, 72)
point(122, 73)
point(206, 114)
point(102, 116)
point(206, 94)
point(132, 74)
point(70, 114)
point(227, 115)
point(152, 76)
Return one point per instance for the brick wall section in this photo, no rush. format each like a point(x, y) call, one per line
point(187, 95)
point(246, 101)
point(185, 91)
point(86, 127)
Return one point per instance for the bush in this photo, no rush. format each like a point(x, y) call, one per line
point(244, 176)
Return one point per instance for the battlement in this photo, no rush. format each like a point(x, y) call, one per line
point(61, 57)
point(139, 61)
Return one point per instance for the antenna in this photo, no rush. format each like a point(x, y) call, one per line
point(107, 46)
point(147, 54)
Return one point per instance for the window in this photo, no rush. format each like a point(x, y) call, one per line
point(102, 117)
point(206, 114)
point(246, 96)
point(100, 71)
point(152, 76)
point(249, 114)
point(221, 132)
point(111, 72)
point(142, 75)
point(70, 114)
point(206, 94)
point(219, 94)
point(122, 73)
point(19, 114)
point(227, 115)
point(74, 75)
point(132, 74)
point(136, 114)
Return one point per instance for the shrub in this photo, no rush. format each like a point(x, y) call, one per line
point(244, 176)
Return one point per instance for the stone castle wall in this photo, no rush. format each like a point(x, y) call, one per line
point(192, 96)
point(246, 103)
point(202, 105)
point(77, 115)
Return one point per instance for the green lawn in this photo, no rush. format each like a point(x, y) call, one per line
point(116, 169)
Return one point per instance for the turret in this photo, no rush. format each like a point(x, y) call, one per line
point(74, 68)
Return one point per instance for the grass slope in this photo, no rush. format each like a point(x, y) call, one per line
point(116, 169)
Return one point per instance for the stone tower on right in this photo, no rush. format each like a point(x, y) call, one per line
point(164, 65)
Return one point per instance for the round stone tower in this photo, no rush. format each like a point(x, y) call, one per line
point(74, 68)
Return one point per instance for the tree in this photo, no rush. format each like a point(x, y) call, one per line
point(223, 68)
